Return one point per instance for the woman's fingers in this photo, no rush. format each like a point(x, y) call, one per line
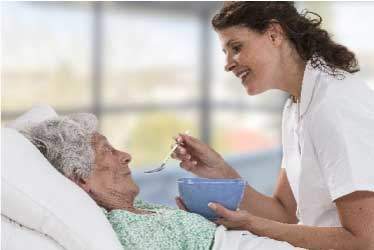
point(220, 210)
point(239, 219)
point(181, 150)
point(181, 157)
point(181, 154)
point(189, 151)
point(180, 203)
point(178, 140)
point(191, 143)
point(188, 165)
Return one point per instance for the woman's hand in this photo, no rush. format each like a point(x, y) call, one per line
point(238, 220)
point(180, 203)
point(201, 160)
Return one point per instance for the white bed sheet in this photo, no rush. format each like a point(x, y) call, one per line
point(243, 240)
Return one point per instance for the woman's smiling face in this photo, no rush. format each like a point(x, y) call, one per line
point(253, 57)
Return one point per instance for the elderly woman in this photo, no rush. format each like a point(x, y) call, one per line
point(75, 148)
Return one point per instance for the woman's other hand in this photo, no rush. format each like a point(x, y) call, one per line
point(200, 159)
point(237, 220)
point(180, 203)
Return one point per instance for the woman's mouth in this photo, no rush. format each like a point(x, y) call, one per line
point(243, 76)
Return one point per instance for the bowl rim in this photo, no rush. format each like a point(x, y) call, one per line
point(189, 180)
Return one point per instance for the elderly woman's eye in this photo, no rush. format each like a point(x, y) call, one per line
point(108, 149)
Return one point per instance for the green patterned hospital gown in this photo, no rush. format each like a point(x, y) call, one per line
point(167, 228)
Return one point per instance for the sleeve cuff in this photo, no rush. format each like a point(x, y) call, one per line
point(347, 189)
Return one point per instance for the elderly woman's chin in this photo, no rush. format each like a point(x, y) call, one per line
point(131, 188)
point(131, 184)
point(135, 190)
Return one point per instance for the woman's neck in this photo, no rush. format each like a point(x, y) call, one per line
point(293, 69)
point(113, 199)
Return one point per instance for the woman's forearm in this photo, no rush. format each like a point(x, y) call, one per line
point(308, 237)
point(259, 204)
point(265, 206)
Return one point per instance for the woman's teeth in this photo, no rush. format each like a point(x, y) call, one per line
point(243, 75)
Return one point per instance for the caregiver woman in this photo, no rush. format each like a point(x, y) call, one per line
point(324, 197)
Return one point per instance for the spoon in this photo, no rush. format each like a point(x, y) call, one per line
point(163, 164)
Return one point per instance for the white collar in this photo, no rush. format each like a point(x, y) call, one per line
point(310, 79)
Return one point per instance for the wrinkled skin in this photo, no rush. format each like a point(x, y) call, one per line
point(110, 183)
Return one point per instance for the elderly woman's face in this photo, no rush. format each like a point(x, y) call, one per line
point(110, 183)
point(252, 57)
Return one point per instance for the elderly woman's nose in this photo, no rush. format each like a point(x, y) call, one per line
point(125, 158)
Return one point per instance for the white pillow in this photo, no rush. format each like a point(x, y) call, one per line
point(37, 114)
point(37, 196)
point(15, 236)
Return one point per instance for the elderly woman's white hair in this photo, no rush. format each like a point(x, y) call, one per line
point(66, 141)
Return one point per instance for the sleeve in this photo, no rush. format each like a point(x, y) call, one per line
point(343, 137)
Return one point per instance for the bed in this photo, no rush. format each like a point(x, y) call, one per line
point(40, 208)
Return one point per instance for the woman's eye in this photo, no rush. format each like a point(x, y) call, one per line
point(236, 49)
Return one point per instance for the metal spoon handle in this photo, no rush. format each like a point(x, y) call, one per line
point(162, 166)
point(169, 154)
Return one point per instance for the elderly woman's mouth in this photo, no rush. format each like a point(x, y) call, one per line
point(126, 173)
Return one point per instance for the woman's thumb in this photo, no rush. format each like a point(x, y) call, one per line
point(220, 210)
point(191, 141)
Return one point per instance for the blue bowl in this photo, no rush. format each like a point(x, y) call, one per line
point(196, 193)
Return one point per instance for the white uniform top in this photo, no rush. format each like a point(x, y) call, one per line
point(328, 144)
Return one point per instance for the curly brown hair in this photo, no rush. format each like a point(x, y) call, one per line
point(310, 40)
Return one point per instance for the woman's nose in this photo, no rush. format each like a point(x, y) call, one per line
point(125, 158)
point(230, 64)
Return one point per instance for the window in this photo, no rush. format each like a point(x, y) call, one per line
point(348, 23)
point(147, 136)
point(149, 57)
point(145, 68)
point(242, 123)
point(45, 55)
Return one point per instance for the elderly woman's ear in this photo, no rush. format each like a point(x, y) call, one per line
point(42, 147)
point(81, 182)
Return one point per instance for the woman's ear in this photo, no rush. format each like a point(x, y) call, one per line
point(81, 182)
point(275, 33)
